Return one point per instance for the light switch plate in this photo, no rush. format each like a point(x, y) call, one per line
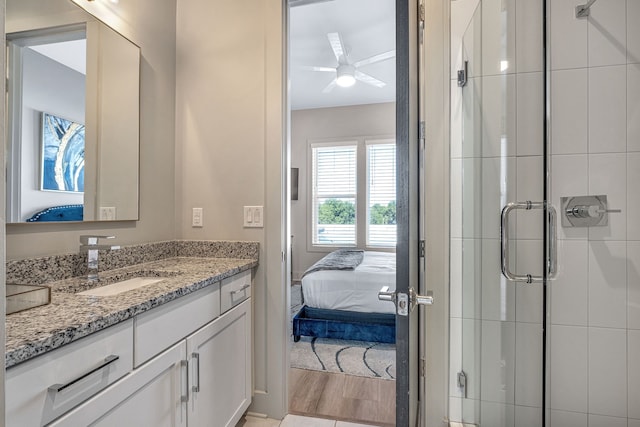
point(253, 216)
point(107, 213)
point(196, 217)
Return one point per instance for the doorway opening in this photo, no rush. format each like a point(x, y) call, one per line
point(342, 154)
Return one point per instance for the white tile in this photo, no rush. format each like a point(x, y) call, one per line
point(529, 186)
point(530, 112)
point(633, 284)
point(569, 111)
point(455, 215)
point(569, 291)
point(607, 175)
point(471, 278)
point(497, 414)
point(568, 368)
point(527, 416)
point(498, 357)
point(633, 357)
point(472, 197)
point(498, 189)
point(455, 356)
point(633, 196)
point(529, 297)
point(499, 115)
point(498, 36)
point(633, 106)
point(607, 33)
point(608, 109)
point(602, 421)
point(300, 421)
point(528, 35)
point(472, 118)
point(633, 32)
point(498, 295)
point(528, 383)
point(608, 372)
point(568, 36)
point(608, 284)
point(456, 122)
point(568, 419)
point(472, 346)
point(455, 409)
point(455, 271)
point(633, 422)
point(569, 177)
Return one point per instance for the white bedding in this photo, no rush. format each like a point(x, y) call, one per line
point(353, 290)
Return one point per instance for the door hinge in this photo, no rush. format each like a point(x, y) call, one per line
point(423, 367)
point(421, 12)
point(462, 382)
point(422, 248)
point(421, 130)
point(463, 75)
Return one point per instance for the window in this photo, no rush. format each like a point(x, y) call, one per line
point(353, 196)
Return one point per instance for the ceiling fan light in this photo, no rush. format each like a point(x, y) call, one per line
point(345, 76)
point(345, 80)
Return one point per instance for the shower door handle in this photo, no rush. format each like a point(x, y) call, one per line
point(504, 241)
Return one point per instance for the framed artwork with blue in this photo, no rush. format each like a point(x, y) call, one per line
point(62, 154)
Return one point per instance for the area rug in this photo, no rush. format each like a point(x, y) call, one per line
point(361, 358)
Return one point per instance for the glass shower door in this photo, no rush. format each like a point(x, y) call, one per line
point(497, 161)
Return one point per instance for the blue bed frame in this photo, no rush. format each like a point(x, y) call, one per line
point(345, 325)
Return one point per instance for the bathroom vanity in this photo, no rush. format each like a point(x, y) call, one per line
point(174, 352)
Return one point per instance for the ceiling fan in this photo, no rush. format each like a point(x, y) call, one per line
point(348, 72)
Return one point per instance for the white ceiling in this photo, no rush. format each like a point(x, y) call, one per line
point(367, 28)
point(70, 53)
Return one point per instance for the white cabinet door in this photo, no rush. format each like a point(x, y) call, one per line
point(220, 365)
point(151, 395)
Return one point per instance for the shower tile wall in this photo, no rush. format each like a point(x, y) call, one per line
point(594, 365)
point(496, 158)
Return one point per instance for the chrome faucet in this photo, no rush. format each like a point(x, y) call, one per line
point(89, 244)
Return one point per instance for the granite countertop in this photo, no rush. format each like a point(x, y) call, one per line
point(70, 317)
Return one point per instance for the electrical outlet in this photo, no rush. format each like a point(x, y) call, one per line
point(253, 216)
point(107, 213)
point(196, 217)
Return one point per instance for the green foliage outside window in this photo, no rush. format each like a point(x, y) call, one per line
point(383, 215)
point(334, 211)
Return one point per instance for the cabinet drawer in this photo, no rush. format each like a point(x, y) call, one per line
point(40, 390)
point(164, 326)
point(234, 290)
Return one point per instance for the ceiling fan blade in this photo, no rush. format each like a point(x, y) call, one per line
point(366, 78)
point(329, 87)
point(338, 47)
point(376, 58)
point(314, 68)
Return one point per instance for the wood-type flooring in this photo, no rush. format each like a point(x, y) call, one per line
point(342, 397)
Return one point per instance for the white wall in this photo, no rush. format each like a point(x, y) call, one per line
point(326, 123)
point(151, 25)
point(229, 154)
point(65, 99)
point(595, 149)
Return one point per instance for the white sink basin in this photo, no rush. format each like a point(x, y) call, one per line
point(123, 286)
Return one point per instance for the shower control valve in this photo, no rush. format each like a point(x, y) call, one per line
point(585, 211)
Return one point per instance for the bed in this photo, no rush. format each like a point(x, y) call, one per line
point(341, 298)
point(59, 213)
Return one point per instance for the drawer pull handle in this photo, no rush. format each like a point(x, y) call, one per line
point(107, 361)
point(196, 386)
point(242, 289)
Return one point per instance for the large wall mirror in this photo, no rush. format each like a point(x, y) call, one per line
point(73, 116)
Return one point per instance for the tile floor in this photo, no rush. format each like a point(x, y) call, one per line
point(294, 421)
